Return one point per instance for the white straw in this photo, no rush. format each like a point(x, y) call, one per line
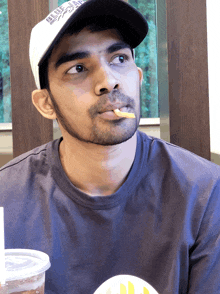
point(2, 248)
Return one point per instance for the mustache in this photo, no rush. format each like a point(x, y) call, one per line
point(113, 97)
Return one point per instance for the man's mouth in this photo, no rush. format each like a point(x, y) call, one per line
point(125, 114)
point(116, 112)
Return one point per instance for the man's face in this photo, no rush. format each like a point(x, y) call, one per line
point(90, 74)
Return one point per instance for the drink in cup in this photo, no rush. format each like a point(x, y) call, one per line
point(25, 271)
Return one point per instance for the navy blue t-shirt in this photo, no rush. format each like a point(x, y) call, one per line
point(162, 225)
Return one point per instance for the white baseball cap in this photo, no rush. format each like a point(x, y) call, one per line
point(130, 23)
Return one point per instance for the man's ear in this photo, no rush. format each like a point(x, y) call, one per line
point(140, 71)
point(41, 100)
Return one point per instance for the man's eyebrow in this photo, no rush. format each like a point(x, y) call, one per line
point(118, 46)
point(70, 57)
point(85, 54)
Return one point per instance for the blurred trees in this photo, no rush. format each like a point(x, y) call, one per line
point(146, 58)
point(5, 94)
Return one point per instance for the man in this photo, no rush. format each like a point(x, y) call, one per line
point(116, 211)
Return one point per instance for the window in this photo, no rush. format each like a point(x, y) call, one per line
point(5, 88)
point(146, 58)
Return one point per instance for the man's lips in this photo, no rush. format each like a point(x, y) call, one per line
point(121, 107)
point(109, 114)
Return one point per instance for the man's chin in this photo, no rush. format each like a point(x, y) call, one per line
point(112, 139)
point(103, 136)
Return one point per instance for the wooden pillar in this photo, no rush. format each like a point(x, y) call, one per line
point(188, 75)
point(30, 129)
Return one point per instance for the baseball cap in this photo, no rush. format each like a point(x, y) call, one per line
point(130, 23)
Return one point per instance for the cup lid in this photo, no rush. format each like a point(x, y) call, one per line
point(25, 263)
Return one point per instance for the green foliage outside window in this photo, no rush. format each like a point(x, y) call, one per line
point(5, 89)
point(146, 58)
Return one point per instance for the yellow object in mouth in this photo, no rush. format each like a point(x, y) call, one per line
point(124, 114)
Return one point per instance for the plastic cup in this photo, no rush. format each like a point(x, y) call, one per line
point(25, 271)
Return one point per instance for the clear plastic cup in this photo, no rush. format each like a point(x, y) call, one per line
point(25, 271)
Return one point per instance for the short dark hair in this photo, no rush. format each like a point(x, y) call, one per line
point(94, 25)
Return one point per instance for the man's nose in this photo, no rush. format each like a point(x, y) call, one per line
point(106, 80)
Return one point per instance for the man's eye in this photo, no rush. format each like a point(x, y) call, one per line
point(76, 69)
point(119, 59)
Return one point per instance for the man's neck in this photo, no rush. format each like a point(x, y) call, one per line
point(94, 169)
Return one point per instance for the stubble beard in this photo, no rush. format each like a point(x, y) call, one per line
point(114, 132)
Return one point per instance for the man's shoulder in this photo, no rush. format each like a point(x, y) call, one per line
point(175, 157)
point(26, 160)
point(27, 175)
